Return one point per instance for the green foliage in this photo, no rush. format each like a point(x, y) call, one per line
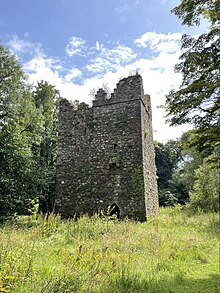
point(167, 198)
point(47, 102)
point(197, 100)
point(192, 159)
point(190, 12)
point(177, 164)
point(178, 185)
point(173, 253)
point(187, 175)
point(205, 193)
point(18, 120)
point(167, 157)
point(171, 186)
point(28, 139)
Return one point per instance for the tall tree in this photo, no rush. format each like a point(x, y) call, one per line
point(18, 117)
point(47, 102)
point(28, 140)
point(197, 101)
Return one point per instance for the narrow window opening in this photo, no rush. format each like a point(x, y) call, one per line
point(85, 130)
point(77, 149)
point(115, 147)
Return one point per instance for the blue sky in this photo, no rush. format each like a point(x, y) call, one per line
point(77, 45)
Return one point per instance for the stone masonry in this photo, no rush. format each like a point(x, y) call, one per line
point(106, 154)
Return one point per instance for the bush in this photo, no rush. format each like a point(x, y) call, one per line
point(206, 187)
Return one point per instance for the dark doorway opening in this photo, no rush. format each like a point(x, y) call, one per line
point(114, 210)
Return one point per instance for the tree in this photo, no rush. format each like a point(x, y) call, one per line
point(28, 140)
point(168, 157)
point(197, 101)
point(205, 193)
point(18, 118)
point(47, 102)
point(176, 164)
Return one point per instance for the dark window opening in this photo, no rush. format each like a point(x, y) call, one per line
point(114, 210)
point(77, 149)
point(113, 166)
point(115, 147)
point(85, 130)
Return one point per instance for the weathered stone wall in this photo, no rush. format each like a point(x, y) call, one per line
point(106, 154)
point(150, 182)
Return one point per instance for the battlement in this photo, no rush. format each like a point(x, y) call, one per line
point(127, 89)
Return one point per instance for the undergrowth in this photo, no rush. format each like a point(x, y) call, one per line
point(172, 253)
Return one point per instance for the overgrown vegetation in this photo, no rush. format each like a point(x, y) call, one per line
point(187, 176)
point(173, 253)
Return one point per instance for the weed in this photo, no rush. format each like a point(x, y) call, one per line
point(175, 253)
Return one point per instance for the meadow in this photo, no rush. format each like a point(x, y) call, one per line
point(176, 252)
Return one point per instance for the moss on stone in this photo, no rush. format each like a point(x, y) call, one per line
point(137, 182)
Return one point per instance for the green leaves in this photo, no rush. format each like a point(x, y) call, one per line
point(28, 136)
point(197, 101)
point(191, 11)
point(16, 109)
point(205, 193)
point(47, 102)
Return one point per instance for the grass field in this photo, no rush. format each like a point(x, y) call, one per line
point(173, 253)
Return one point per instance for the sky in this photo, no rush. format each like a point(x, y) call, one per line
point(79, 45)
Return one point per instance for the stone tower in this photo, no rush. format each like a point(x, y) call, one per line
point(106, 154)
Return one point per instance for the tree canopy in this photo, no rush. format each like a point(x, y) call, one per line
point(187, 176)
point(28, 136)
point(197, 101)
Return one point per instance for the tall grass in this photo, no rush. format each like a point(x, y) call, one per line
point(173, 253)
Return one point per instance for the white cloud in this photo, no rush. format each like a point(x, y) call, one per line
point(111, 59)
point(76, 46)
point(42, 68)
point(19, 46)
point(111, 64)
point(73, 73)
point(99, 46)
point(160, 42)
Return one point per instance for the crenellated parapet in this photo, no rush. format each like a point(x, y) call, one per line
point(130, 88)
point(127, 89)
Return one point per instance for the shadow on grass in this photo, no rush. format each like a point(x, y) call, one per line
point(178, 284)
point(134, 284)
